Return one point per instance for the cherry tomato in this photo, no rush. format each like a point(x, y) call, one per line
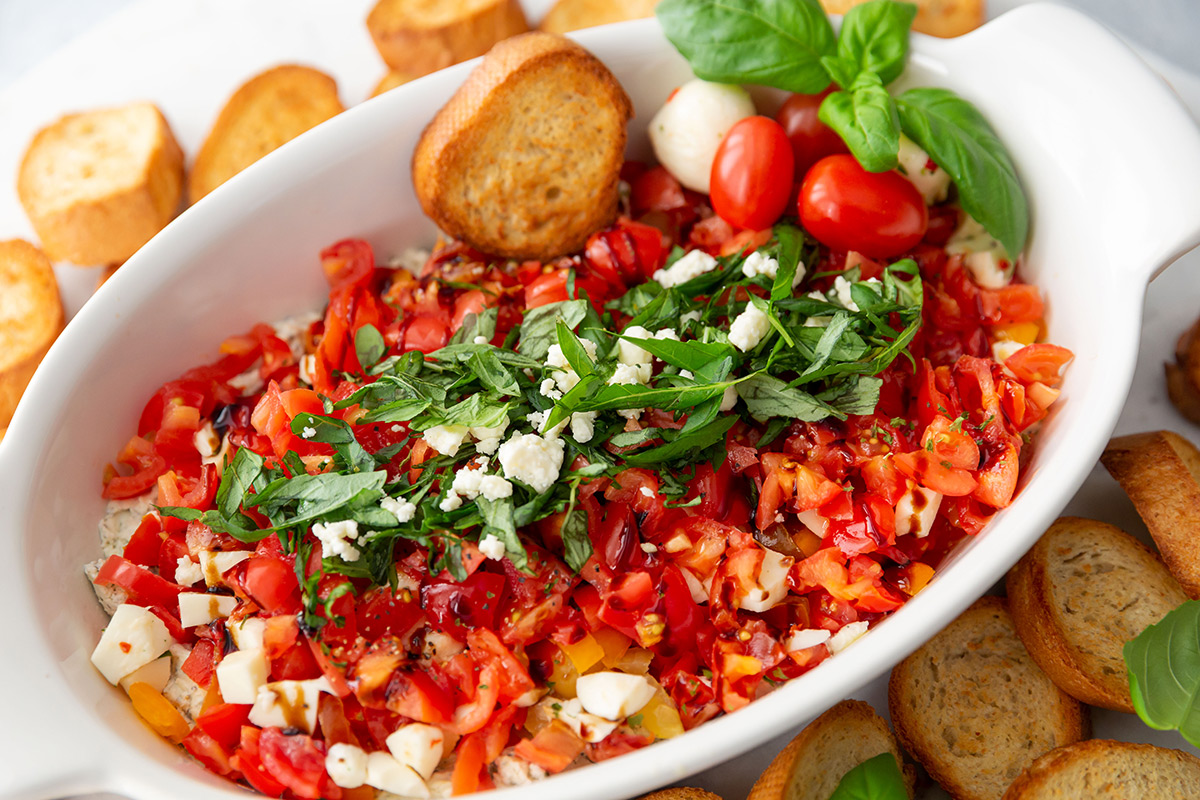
point(551, 287)
point(878, 214)
point(811, 139)
point(751, 174)
point(426, 334)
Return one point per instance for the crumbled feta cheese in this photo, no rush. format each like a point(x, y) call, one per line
point(630, 373)
point(492, 547)
point(804, 638)
point(749, 328)
point(466, 482)
point(549, 388)
point(847, 636)
point(646, 491)
point(930, 180)
point(532, 459)
point(983, 256)
point(337, 539)
point(729, 398)
point(493, 487)
point(401, 509)
point(133, 638)
point(692, 265)
point(690, 316)
point(451, 502)
point(631, 413)
point(446, 439)
point(514, 771)
point(488, 439)
point(564, 377)
point(630, 353)
point(841, 290)
point(187, 571)
point(759, 264)
point(346, 765)
point(308, 432)
point(583, 426)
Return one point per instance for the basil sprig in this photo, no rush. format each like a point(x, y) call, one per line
point(789, 44)
point(1164, 672)
point(877, 778)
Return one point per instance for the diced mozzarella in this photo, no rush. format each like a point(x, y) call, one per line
point(772, 582)
point(613, 695)
point(532, 460)
point(1004, 349)
point(247, 633)
point(201, 608)
point(687, 130)
point(187, 571)
point(748, 329)
point(439, 646)
point(492, 547)
point(589, 727)
point(804, 638)
point(693, 264)
point(288, 704)
point(386, 773)
point(984, 257)
point(206, 440)
point(134, 637)
point(813, 521)
point(308, 367)
point(418, 746)
point(849, 634)
point(156, 674)
point(214, 564)
point(338, 539)
point(346, 765)
point(446, 439)
point(241, 674)
point(916, 511)
point(931, 181)
point(401, 509)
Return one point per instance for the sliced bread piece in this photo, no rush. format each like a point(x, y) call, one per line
point(1100, 769)
point(99, 184)
point(943, 18)
point(813, 763)
point(573, 15)
point(973, 707)
point(1160, 471)
point(1078, 595)
point(390, 81)
point(417, 37)
point(31, 317)
point(524, 160)
point(267, 111)
point(681, 793)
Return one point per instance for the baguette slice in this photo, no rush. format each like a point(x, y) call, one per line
point(1100, 769)
point(267, 111)
point(813, 763)
point(31, 317)
point(524, 160)
point(974, 708)
point(945, 18)
point(681, 793)
point(1078, 595)
point(390, 81)
point(99, 184)
point(416, 37)
point(1160, 471)
point(573, 15)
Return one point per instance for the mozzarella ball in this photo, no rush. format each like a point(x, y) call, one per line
point(686, 131)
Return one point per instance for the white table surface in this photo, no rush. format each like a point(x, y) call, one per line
point(1165, 31)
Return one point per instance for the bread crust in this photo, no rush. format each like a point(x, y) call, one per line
point(413, 41)
point(681, 793)
point(105, 223)
point(801, 770)
point(1102, 769)
point(30, 318)
point(268, 110)
point(972, 732)
point(538, 111)
point(1057, 622)
point(944, 18)
point(1160, 471)
point(390, 81)
point(573, 15)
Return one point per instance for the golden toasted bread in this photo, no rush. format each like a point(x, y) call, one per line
point(1160, 471)
point(31, 316)
point(973, 707)
point(390, 81)
point(416, 37)
point(267, 111)
point(813, 763)
point(1183, 376)
point(524, 160)
point(572, 15)
point(945, 18)
point(1100, 769)
point(1078, 595)
point(99, 184)
point(681, 793)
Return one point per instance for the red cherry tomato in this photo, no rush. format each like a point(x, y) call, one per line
point(811, 139)
point(425, 333)
point(878, 214)
point(751, 174)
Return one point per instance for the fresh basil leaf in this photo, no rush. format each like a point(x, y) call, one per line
point(790, 241)
point(539, 329)
point(769, 42)
point(842, 70)
point(316, 495)
point(498, 521)
point(675, 398)
point(180, 512)
point(237, 480)
point(960, 141)
point(865, 117)
point(874, 37)
point(685, 444)
point(877, 778)
point(831, 336)
point(577, 547)
point(492, 373)
point(398, 411)
point(477, 411)
point(369, 346)
point(1163, 662)
point(474, 325)
point(708, 361)
point(336, 432)
point(573, 350)
point(634, 438)
point(766, 396)
point(858, 395)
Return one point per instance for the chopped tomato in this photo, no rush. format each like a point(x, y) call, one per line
point(1039, 363)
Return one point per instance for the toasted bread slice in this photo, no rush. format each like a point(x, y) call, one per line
point(390, 81)
point(573, 15)
point(417, 37)
point(524, 160)
point(945, 18)
point(31, 316)
point(1160, 471)
point(268, 110)
point(1183, 376)
point(1078, 595)
point(99, 184)
point(1100, 769)
point(681, 793)
point(813, 763)
point(974, 708)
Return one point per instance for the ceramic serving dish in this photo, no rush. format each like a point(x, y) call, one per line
point(1109, 157)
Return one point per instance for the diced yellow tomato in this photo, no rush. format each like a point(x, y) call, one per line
point(1023, 332)
point(563, 676)
point(806, 541)
point(916, 577)
point(738, 666)
point(584, 654)
point(615, 645)
point(635, 661)
point(660, 716)
point(162, 717)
